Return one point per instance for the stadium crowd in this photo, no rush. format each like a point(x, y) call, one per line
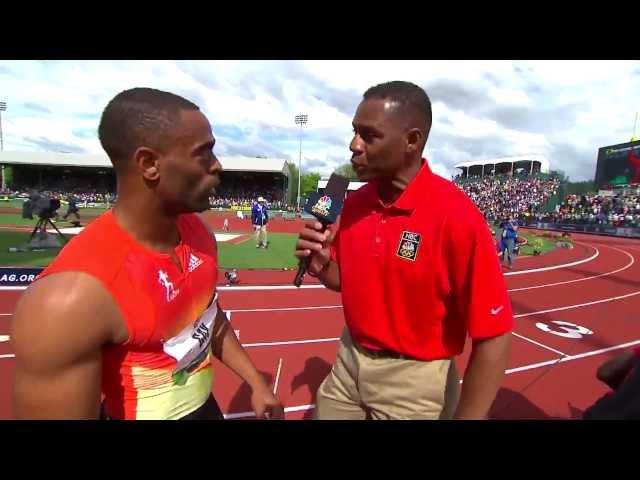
point(621, 210)
point(524, 198)
point(82, 197)
point(244, 198)
point(499, 197)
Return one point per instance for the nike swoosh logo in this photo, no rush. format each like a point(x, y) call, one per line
point(495, 311)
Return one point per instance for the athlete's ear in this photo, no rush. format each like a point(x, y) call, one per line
point(146, 163)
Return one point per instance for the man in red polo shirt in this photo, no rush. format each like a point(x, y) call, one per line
point(418, 273)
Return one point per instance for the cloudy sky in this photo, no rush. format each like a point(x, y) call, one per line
point(565, 110)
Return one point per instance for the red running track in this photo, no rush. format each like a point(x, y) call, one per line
point(593, 288)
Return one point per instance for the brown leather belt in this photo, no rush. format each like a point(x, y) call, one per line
point(381, 353)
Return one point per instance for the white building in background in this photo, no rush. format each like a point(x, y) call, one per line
point(529, 163)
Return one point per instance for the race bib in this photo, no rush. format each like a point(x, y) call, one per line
point(191, 346)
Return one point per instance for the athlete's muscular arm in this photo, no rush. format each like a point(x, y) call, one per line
point(227, 348)
point(230, 352)
point(59, 328)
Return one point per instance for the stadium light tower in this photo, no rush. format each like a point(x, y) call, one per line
point(3, 108)
point(300, 120)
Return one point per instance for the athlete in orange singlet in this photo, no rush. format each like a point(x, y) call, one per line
point(129, 308)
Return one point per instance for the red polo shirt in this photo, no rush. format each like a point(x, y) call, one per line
point(419, 275)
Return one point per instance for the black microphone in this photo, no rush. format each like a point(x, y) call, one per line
point(325, 207)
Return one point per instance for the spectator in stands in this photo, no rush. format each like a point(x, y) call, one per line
point(621, 210)
point(259, 219)
point(500, 196)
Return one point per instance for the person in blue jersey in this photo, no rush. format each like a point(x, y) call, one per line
point(259, 219)
point(509, 236)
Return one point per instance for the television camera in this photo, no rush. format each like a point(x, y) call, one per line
point(45, 208)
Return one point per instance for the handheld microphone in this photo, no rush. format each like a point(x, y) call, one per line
point(325, 207)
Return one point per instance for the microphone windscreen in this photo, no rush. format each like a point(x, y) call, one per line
point(327, 206)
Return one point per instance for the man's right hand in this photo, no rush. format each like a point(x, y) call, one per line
point(315, 243)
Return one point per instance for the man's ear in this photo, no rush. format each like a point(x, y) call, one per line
point(146, 162)
point(415, 140)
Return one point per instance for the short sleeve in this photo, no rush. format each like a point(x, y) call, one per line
point(477, 281)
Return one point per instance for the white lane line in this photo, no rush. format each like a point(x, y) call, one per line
point(223, 288)
point(4, 338)
point(240, 288)
point(8, 355)
point(290, 342)
point(297, 408)
point(275, 384)
point(269, 287)
point(250, 310)
point(263, 344)
point(510, 371)
point(570, 358)
point(556, 267)
point(288, 309)
point(539, 344)
point(579, 305)
point(627, 266)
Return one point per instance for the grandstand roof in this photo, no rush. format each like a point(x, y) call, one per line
point(231, 163)
point(544, 163)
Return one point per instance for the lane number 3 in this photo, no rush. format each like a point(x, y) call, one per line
point(564, 329)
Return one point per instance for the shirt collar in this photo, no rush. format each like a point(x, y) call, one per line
point(415, 190)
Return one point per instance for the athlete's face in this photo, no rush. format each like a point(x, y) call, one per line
point(189, 171)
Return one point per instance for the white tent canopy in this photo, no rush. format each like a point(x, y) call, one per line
point(486, 167)
point(231, 163)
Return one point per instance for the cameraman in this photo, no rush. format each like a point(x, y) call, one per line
point(72, 208)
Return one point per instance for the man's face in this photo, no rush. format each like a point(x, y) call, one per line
point(189, 170)
point(379, 143)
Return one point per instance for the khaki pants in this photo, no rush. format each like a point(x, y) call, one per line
point(261, 234)
point(360, 387)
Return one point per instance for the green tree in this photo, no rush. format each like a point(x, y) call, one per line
point(560, 174)
point(347, 171)
point(8, 175)
point(293, 183)
point(309, 183)
point(580, 188)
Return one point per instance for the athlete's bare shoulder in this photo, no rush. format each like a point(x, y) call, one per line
point(59, 328)
point(65, 312)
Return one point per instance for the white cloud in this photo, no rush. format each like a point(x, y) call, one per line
point(510, 96)
point(480, 107)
